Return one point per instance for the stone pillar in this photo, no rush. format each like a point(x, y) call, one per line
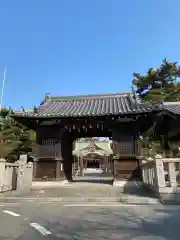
point(159, 173)
point(172, 174)
point(23, 158)
point(2, 172)
point(23, 174)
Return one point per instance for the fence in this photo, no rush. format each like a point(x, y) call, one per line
point(16, 176)
point(162, 175)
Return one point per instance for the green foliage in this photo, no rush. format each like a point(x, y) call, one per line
point(160, 84)
point(14, 139)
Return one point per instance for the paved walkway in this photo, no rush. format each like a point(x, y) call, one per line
point(88, 190)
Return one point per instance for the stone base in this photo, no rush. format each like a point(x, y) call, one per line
point(170, 198)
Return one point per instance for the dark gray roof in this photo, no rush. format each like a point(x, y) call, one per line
point(173, 107)
point(89, 105)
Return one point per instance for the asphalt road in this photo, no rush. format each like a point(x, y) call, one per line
point(88, 221)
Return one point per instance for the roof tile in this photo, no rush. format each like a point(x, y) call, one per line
point(173, 107)
point(90, 105)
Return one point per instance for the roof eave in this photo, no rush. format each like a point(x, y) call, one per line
point(136, 112)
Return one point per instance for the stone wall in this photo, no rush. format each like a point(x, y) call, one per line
point(162, 175)
point(16, 176)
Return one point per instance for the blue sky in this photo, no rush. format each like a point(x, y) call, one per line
point(67, 47)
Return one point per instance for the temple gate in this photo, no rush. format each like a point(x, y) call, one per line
point(59, 121)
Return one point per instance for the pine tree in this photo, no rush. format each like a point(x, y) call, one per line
point(160, 84)
point(14, 139)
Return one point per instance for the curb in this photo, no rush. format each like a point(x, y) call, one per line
point(80, 200)
point(169, 202)
point(48, 184)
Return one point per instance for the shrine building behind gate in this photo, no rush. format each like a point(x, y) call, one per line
point(93, 154)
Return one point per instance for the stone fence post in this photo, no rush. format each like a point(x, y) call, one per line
point(172, 174)
point(159, 173)
point(25, 174)
point(2, 172)
point(29, 175)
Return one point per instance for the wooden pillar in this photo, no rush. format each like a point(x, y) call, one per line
point(114, 167)
point(167, 151)
point(164, 140)
point(66, 149)
point(125, 162)
point(85, 164)
point(76, 161)
point(58, 169)
point(35, 165)
point(106, 163)
point(81, 166)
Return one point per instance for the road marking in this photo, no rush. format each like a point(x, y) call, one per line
point(11, 213)
point(40, 229)
point(99, 205)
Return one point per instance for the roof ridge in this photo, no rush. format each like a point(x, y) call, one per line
point(88, 96)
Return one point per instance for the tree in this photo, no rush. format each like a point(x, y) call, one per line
point(160, 84)
point(14, 139)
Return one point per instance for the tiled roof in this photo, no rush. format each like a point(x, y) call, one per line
point(173, 107)
point(89, 105)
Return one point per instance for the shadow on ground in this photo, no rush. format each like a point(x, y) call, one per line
point(133, 188)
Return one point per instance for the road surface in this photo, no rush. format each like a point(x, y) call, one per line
point(88, 221)
point(86, 210)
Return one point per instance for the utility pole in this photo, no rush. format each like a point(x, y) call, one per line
point(2, 90)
